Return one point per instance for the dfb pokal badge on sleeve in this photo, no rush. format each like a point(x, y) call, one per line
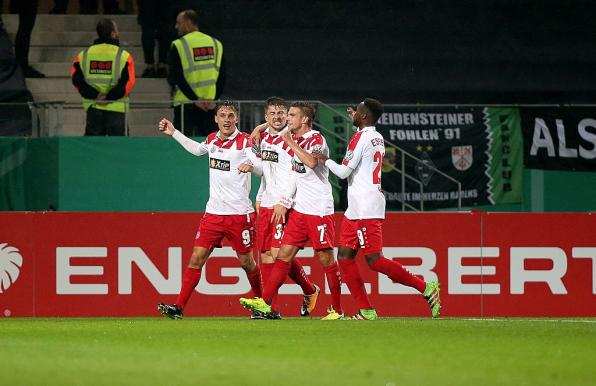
point(462, 158)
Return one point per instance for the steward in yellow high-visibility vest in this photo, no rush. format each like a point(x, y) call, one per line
point(196, 71)
point(104, 75)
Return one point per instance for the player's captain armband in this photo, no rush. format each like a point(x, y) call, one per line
point(287, 202)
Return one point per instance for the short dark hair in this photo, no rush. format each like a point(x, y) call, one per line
point(229, 104)
point(104, 28)
point(275, 101)
point(306, 108)
point(191, 15)
point(374, 107)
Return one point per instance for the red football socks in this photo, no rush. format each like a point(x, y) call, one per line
point(254, 278)
point(334, 280)
point(276, 279)
point(351, 275)
point(396, 272)
point(299, 276)
point(190, 279)
point(266, 269)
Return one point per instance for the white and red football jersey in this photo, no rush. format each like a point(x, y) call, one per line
point(313, 190)
point(228, 189)
point(278, 179)
point(364, 156)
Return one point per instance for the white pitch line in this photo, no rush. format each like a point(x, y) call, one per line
point(527, 320)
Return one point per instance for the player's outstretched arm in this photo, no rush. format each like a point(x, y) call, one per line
point(193, 147)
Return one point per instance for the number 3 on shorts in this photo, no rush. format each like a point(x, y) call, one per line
point(246, 237)
point(279, 231)
point(322, 228)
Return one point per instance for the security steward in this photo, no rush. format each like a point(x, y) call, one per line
point(104, 75)
point(196, 73)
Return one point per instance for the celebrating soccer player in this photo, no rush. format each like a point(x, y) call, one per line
point(361, 227)
point(277, 185)
point(229, 212)
point(311, 217)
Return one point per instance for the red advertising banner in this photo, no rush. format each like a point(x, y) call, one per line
point(123, 264)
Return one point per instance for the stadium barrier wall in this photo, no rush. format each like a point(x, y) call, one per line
point(123, 264)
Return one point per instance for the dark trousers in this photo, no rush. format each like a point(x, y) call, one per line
point(197, 123)
point(155, 24)
point(86, 6)
point(104, 122)
point(27, 11)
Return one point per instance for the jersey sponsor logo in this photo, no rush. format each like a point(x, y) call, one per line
point(10, 266)
point(298, 167)
point(203, 53)
point(271, 156)
point(219, 164)
point(462, 158)
point(99, 67)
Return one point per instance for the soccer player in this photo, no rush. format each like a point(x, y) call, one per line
point(361, 227)
point(277, 184)
point(311, 217)
point(229, 212)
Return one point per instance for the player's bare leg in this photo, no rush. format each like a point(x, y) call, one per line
point(331, 268)
point(190, 279)
point(253, 273)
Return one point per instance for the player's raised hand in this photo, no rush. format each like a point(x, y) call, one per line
point(245, 168)
point(166, 127)
point(286, 135)
point(351, 112)
point(255, 136)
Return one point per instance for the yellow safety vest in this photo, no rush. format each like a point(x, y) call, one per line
point(102, 65)
point(200, 55)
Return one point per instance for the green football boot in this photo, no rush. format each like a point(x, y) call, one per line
point(432, 294)
point(256, 304)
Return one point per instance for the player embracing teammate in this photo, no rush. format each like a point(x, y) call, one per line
point(295, 206)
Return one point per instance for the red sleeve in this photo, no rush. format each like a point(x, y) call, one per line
point(352, 145)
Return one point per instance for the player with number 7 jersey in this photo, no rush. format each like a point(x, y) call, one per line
point(311, 216)
point(362, 225)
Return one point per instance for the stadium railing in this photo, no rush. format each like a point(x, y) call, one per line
point(47, 119)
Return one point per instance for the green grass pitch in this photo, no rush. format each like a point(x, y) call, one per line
point(238, 351)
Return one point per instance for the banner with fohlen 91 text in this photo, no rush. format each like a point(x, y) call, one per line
point(559, 138)
point(481, 147)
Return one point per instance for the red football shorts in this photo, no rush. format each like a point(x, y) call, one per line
point(320, 230)
point(366, 234)
point(269, 234)
point(239, 229)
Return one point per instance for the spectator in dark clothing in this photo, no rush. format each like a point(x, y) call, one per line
point(104, 76)
point(110, 7)
point(196, 71)
point(155, 24)
point(27, 11)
